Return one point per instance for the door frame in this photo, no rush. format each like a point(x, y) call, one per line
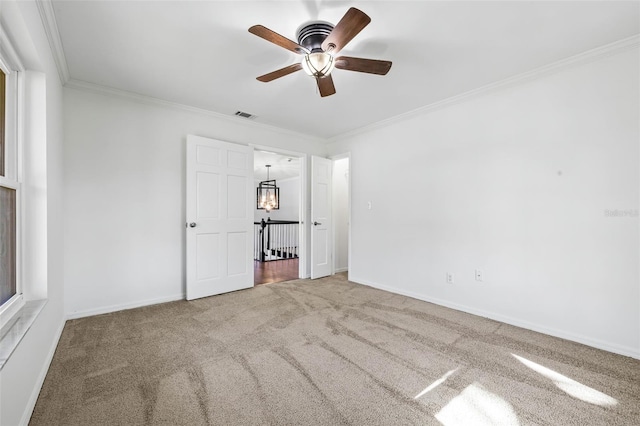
point(333, 158)
point(303, 252)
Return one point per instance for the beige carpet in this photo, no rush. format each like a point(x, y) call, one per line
point(326, 352)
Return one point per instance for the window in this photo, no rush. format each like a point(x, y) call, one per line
point(8, 259)
point(3, 83)
point(10, 291)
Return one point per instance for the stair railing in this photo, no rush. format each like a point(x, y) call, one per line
point(276, 240)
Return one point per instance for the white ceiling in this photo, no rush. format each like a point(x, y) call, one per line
point(200, 53)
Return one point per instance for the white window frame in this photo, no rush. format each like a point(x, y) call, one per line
point(14, 90)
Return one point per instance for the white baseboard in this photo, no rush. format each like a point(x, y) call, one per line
point(337, 271)
point(31, 404)
point(585, 340)
point(124, 306)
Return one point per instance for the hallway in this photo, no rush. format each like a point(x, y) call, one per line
point(275, 271)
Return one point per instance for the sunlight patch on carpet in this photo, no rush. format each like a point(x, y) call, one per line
point(570, 386)
point(435, 384)
point(477, 406)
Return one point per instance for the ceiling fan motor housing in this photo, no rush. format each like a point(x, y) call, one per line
point(312, 34)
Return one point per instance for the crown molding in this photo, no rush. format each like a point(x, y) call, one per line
point(136, 97)
point(9, 54)
point(47, 14)
point(555, 67)
point(48, 17)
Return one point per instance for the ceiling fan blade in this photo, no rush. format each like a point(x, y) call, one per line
point(371, 66)
point(325, 84)
point(276, 38)
point(280, 73)
point(349, 26)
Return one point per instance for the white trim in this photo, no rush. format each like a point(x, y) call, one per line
point(7, 51)
point(6, 182)
point(50, 24)
point(9, 309)
point(31, 403)
point(14, 92)
point(350, 218)
point(340, 156)
point(14, 71)
point(595, 343)
point(274, 150)
point(555, 67)
point(124, 306)
point(333, 158)
point(305, 227)
point(104, 90)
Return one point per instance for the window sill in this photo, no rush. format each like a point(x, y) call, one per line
point(13, 332)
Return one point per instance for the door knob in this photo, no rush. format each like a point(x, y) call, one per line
point(192, 225)
point(316, 223)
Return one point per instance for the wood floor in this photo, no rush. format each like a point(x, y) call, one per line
point(275, 271)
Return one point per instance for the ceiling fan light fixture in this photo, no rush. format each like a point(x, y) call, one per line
point(318, 64)
point(319, 43)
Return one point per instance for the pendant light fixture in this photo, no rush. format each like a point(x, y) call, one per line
point(268, 194)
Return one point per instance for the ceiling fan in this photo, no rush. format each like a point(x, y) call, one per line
point(319, 42)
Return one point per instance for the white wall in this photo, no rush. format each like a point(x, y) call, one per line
point(124, 180)
point(23, 374)
point(516, 182)
point(340, 206)
point(289, 202)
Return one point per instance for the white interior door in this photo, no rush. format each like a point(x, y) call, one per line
point(321, 229)
point(219, 217)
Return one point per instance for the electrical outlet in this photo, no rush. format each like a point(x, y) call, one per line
point(478, 275)
point(450, 278)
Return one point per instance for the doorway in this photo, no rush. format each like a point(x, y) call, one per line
point(278, 239)
point(341, 202)
point(227, 175)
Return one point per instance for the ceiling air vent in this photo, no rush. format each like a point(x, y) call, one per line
point(245, 115)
